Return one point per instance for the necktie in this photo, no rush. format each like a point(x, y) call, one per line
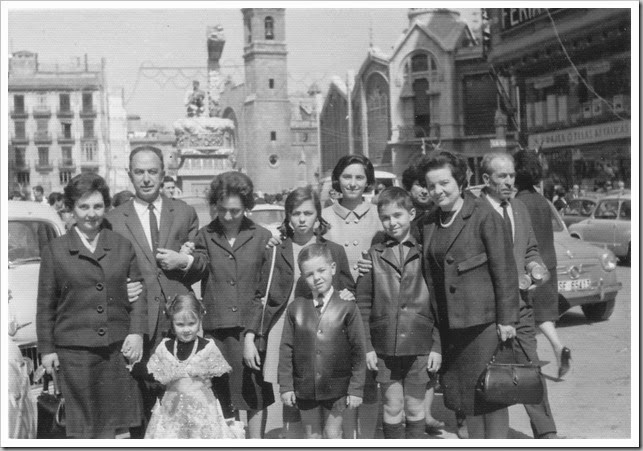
point(401, 249)
point(505, 216)
point(319, 305)
point(154, 228)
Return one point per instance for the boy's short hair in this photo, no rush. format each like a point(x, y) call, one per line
point(395, 195)
point(313, 251)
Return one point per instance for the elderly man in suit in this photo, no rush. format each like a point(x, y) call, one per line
point(498, 174)
point(157, 226)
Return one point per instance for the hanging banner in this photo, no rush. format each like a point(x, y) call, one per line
point(581, 135)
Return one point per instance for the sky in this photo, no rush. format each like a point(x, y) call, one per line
point(321, 43)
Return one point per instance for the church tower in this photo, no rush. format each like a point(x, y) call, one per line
point(267, 110)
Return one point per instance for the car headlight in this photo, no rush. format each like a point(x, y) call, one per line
point(608, 261)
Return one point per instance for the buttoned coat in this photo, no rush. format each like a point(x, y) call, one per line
point(178, 224)
point(283, 281)
point(480, 276)
point(230, 275)
point(322, 356)
point(82, 296)
point(395, 305)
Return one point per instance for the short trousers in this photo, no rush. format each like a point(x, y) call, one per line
point(338, 404)
point(409, 369)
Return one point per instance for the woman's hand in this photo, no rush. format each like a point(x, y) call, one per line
point(346, 295)
point(371, 361)
point(273, 242)
point(364, 264)
point(288, 398)
point(187, 248)
point(134, 289)
point(50, 362)
point(505, 332)
point(434, 363)
point(353, 402)
point(170, 260)
point(132, 348)
point(250, 353)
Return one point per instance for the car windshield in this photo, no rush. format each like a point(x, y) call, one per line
point(626, 212)
point(607, 209)
point(556, 222)
point(27, 238)
point(267, 216)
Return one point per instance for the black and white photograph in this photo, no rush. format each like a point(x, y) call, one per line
point(253, 224)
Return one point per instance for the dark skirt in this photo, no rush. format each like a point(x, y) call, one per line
point(100, 394)
point(467, 353)
point(545, 300)
point(243, 388)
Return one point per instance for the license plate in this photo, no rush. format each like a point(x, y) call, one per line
point(574, 285)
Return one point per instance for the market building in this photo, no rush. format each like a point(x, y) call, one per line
point(567, 73)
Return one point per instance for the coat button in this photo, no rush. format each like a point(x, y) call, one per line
point(101, 331)
point(157, 299)
point(319, 332)
point(355, 243)
point(450, 260)
point(403, 306)
point(355, 266)
point(318, 352)
point(233, 283)
point(346, 243)
point(234, 309)
point(356, 221)
point(451, 289)
point(100, 309)
point(99, 286)
point(347, 221)
point(230, 256)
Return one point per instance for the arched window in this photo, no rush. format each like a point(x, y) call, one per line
point(420, 71)
point(269, 25)
point(377, 114)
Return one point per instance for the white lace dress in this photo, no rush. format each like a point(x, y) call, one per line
point(188, 408)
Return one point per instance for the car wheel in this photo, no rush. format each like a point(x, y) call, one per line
point(599, 312)
point(574, 235)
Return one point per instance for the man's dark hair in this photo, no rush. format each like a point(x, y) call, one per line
point(395, 195)
point(146, 148)
point(313, 251)
point(54, 197)
point(529, 171)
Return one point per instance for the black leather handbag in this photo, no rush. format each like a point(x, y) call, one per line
point(51, 411)
point(511, 383)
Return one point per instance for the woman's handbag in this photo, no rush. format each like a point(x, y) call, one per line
point(511, 383)
point(51, 410)
point(261, 342)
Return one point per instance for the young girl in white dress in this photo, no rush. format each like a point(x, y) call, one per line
point(185, 365)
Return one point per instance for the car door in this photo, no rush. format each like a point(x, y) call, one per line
point(600, 227)
point(622, 227)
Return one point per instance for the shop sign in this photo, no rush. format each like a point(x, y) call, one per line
point(512, 17)
point(581, 135)
point(497, 143)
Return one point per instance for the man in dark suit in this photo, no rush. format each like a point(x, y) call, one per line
point(157, 227)
point(498, 174)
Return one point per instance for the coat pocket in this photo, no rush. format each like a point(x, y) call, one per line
point(472, 262)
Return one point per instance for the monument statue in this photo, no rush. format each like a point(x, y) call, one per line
point(195, 100)
point(216, 81)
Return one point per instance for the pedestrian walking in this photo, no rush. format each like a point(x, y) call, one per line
point(472, 274)
point(89, 329)
point(321, 358)
point(185, 364)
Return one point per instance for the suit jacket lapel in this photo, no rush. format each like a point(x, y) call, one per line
point(167, 218)
point(460, 221)
point(287, 252)
point(391, 255)
point(103, 246)
point(135, 227)
point(429, 228)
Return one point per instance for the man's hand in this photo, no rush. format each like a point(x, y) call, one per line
point(132, 348)
point(435, 362)
point(250, 353)
point(371, 361)
point(346, 295)
point(50, 362)
point(353, 402)
point(273, 242)
point(170, 260)
point(134, 289)
point(187, 248)
point(505, 332)
point(288, 398)
point(364, 266)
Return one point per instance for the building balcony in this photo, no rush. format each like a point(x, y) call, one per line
point(19, 140)
point(88, 113)
point(44, 166)
point(41, 112)
point(66, 164)
point(19, 164)
point(416, 132)
point(19, 114)
point(62, 139)
point(42, 138)
point(65, 113)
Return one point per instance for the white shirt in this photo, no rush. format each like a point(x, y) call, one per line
point(90, 245)
point(325, 299)
point(496, 206)
point(144, 215)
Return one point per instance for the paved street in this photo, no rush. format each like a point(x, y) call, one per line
point(593, 401)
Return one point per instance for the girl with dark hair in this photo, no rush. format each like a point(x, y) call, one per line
point(228, 257)
point(303, 225)
point(355, 224)
point(89, 328)
point(545, 296)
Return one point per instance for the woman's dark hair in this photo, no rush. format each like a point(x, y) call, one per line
point(409, 177)
point(529, 171)
point(346, 161)
point(232, 183)
point(54, 197)
point(294, 200)
point(83, 184)
point(122, 197)
point(453, 161)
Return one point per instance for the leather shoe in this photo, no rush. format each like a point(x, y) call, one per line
point(462, 432)
point(565, 357)
point(434, 427)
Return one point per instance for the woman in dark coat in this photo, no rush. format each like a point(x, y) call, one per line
point(544, 297)
point(88, 328)
point(472, 274)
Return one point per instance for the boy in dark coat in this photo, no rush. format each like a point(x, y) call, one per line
point(321, 359)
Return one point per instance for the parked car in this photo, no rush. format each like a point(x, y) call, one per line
point(30, 228)
point(578, 209)
point(609, 225)
point(586, 274)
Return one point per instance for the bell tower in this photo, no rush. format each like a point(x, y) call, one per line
point(266, 105)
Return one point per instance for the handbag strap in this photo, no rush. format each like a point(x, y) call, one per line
point(513, 349)
point(264, 299)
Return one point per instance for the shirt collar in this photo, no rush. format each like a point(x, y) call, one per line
point(140, 205)
point(359, 211)
point(495, 203)
point(326, 297)
point(90, 245)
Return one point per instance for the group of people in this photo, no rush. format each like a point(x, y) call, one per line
point(353, 307)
